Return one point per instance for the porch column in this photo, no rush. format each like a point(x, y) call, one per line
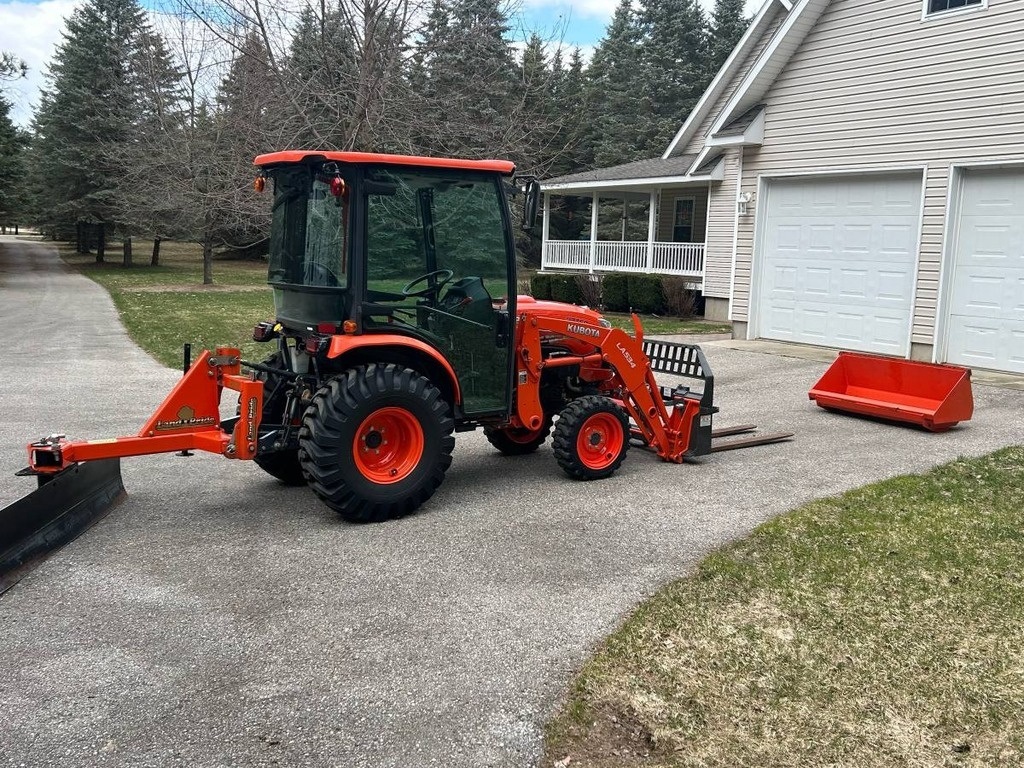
point(545, 231)
point(593, 231)
point(652, 230)
point(625, 217)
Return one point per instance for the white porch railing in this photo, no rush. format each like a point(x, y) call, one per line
point(686, 259)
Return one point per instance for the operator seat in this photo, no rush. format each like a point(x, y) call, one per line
point(467, 298)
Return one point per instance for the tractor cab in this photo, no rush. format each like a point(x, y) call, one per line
point(391, 245)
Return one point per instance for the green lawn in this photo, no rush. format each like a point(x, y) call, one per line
point(161, 322)
point(664, 326)
point(163, 307)
point(879, 628)
point(181, 264)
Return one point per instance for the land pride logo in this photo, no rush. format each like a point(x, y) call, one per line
point(186, 418)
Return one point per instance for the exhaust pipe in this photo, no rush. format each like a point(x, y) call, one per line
point(59, 510)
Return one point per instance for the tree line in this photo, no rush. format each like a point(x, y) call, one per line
point(149, 121)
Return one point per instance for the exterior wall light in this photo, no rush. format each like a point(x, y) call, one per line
point(745, 203)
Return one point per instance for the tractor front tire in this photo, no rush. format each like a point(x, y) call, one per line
point(375, 442)
point(518, 442)
point(591, 438)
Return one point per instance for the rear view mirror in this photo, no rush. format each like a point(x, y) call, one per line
point(531, 203)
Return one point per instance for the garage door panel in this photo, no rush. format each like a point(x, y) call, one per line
point(839, 261)
point(895, 287)
point(992, 344)
point(985, 315)
point(853, 284)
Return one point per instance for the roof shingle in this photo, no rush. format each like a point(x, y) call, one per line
point(654, 168)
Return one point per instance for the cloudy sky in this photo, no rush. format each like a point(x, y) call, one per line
point(30, 30)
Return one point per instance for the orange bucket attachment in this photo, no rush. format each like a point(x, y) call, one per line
point(930, 395)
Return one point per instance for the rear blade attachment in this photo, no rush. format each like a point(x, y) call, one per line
point(62, 507)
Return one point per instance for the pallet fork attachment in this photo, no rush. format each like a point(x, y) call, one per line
point(80, 480)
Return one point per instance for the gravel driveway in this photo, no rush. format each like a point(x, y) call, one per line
point(217, 618)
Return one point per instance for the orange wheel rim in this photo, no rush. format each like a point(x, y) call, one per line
point(600, 441)
point(388, 445)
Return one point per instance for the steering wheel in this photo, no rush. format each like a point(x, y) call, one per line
point(444, 274)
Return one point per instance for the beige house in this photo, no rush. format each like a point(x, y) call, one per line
point(853, 178)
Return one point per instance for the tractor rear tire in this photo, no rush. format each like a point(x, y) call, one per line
point(591, 438)
point(283, 465)
point(518, 442)
point(375, 442)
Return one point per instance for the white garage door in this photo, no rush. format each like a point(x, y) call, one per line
point(985, 324)
point(838, 261)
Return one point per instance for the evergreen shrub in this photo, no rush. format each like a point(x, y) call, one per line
point(646, 294)
point(540, 286)
point(615, 292)
point(564, 288)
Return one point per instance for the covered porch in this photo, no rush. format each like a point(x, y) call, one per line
point(655, 225)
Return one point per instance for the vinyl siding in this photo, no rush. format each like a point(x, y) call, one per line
point(873, 87)
point(667, 212)
point(696, 144)
point(721, 228)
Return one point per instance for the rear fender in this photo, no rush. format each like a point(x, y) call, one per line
point(349, 351)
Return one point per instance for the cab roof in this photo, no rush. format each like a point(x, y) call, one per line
point(370, 158)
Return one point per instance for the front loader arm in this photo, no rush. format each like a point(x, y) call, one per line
point(638, 391)
point(187, 419)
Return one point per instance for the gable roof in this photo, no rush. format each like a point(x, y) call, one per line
point(801, 17)
point(729, 71)
point(739, 126)
point(760, 77)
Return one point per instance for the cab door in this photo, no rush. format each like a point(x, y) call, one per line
point(438, 267)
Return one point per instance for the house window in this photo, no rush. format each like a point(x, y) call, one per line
point(682, 224)
point(940, 6)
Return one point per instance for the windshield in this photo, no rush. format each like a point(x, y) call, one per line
point(308, 230)
point(422, 223)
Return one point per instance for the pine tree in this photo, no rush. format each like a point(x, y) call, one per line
point(147, 156)
point(12, 148)
point(674, 55)
point(727, 27)
point(568, 214)
point(88, 107)
point(618, 111)
point(468, 73)
point(321, 70)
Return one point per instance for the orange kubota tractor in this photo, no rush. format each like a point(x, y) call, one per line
point(398, 324)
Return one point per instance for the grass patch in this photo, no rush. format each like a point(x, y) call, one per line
point(181, 265)
point(161, 322)
point(879, 628)
point(163, 307)
point(656, 325)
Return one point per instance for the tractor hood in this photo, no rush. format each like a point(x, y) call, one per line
point(532, 306)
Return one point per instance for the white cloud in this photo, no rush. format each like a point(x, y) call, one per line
point(31, 31)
